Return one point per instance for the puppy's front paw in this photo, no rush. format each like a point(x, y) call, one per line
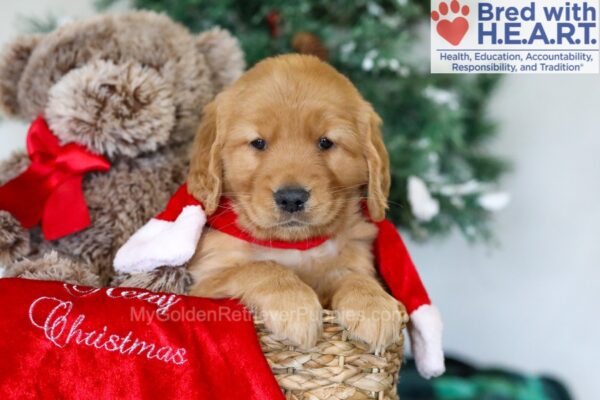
point(294, 314)
point(375, 318)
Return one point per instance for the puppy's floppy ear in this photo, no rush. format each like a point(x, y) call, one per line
point(379, 167)
point(206, 172)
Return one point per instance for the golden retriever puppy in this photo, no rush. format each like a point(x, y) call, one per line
point(296, 149)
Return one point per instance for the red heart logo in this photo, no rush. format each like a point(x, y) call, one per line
point(454, 31)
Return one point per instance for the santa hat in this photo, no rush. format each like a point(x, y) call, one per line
point(171, 238)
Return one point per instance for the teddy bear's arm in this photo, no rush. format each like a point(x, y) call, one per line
point(13, 166)
point(55, 267)
point(14, 239)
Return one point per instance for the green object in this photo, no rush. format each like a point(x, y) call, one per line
point(44, 24)
point(435, 125)
point(467, 382)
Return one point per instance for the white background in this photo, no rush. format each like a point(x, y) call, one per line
point(531, 304)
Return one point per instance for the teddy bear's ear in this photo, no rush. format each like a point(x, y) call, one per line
point(223, 54)
point(12, 64)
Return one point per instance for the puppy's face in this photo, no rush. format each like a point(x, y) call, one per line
point(295, 146)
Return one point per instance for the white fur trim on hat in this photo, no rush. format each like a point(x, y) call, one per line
point(425, 331)
point(162, 243)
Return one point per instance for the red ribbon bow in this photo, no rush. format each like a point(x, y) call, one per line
point(50, 190)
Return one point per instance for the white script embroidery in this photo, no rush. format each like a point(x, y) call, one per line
point(162, 301)
point(62, 330)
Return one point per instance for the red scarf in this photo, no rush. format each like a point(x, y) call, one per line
point(224, 220)
point(393, 260)
point(50, 190)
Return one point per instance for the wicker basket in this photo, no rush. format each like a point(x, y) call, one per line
point(337, 368)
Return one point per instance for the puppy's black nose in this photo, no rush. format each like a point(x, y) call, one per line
point(291, 199)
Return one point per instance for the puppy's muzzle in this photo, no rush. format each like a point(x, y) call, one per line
point(291, 199)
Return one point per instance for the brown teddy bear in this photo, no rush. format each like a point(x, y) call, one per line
point(126, 90)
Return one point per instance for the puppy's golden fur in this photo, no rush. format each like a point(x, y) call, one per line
point(291, 102)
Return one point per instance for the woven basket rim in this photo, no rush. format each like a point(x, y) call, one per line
point(338, 367)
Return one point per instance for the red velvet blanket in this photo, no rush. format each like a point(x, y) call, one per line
point(65, 341)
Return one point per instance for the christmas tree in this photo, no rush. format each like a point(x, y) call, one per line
point(435, 125)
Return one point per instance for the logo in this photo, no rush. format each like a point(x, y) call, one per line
point(451, 23)
point(515, 36)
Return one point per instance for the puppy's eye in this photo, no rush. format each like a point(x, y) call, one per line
point(325, 144)
point(259, 144)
